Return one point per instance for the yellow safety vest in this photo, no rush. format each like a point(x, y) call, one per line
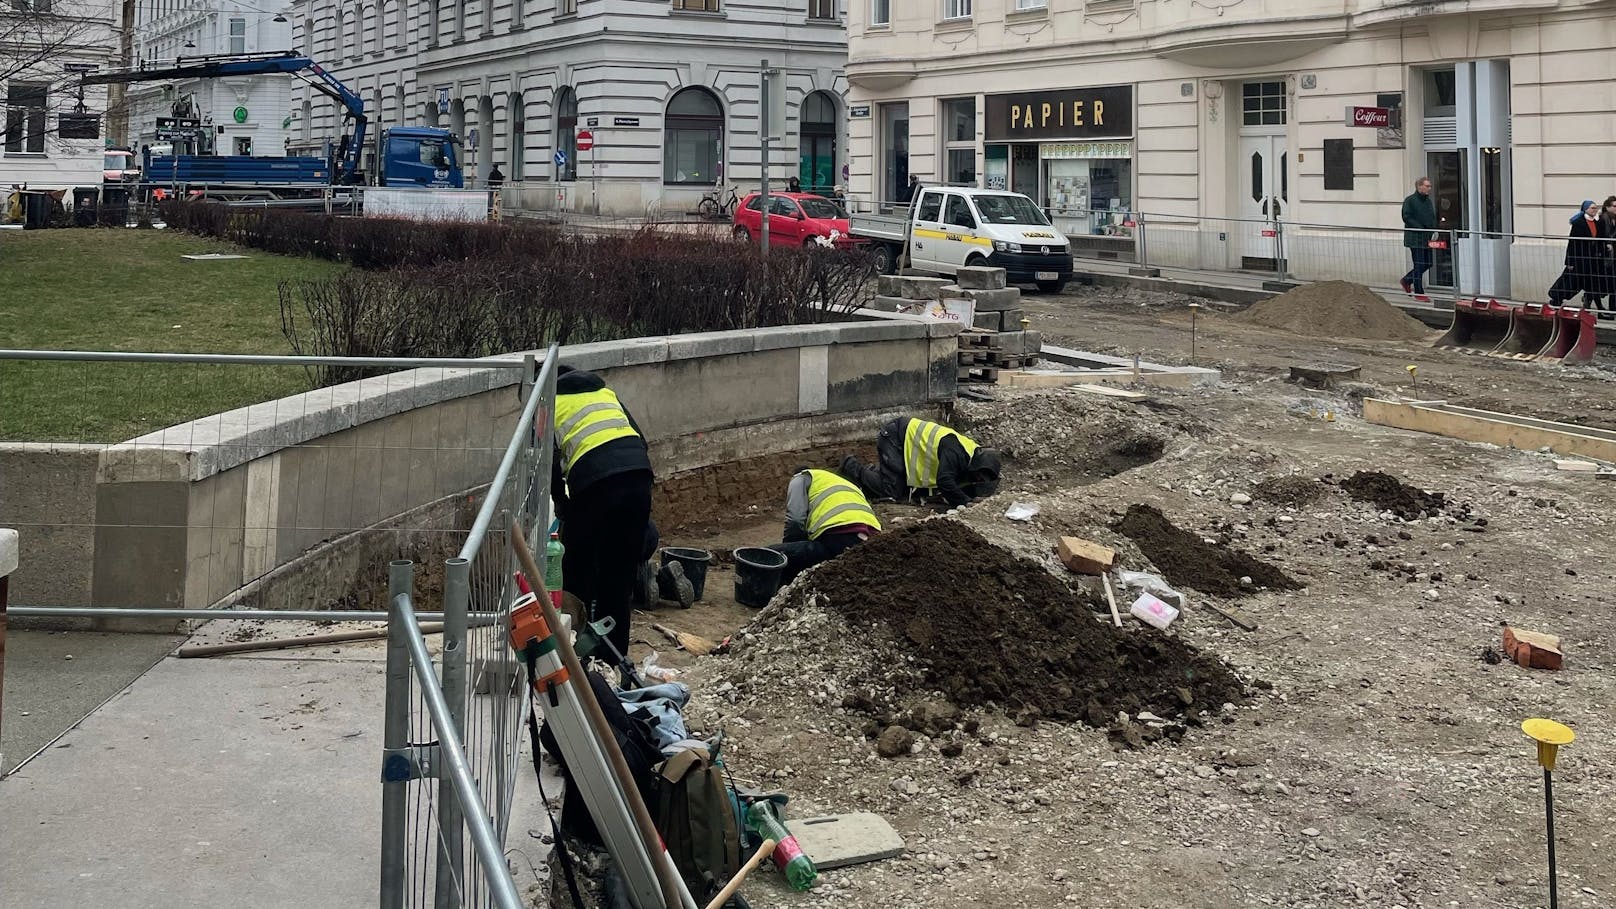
point(587, 420)
point(921, 442)
point(833, 502)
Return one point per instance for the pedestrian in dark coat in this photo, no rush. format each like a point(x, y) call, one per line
point(1584, 269)
point(1419, 220)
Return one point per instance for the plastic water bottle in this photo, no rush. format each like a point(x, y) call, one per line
point(553, 551)
point(788, 856)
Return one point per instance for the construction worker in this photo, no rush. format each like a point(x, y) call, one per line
point(601, 484)
point(825, 516)
point(919, 459)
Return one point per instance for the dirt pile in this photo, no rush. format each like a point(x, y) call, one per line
point(987, 628)
point(1071, 436)
point(1335, 309)
point(1388, 493)
point(1289, 490)
point(1186, 560)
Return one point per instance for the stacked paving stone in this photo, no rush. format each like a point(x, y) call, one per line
point(997, 340)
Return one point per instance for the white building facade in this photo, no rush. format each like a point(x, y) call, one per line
point(52, 131)
point(667, 89)
point(1219, 116)
point(240, 115)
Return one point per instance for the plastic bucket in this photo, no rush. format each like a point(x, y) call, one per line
point(757, 575)
point(695, 562)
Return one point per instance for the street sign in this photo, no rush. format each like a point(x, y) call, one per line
point(592, 121)
point(443, 100)
point(560, 158)
point(586, 140)
point(624, 121)
point(1372, 117)
point(858, 110)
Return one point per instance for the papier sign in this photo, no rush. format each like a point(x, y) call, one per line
point(1371, 117)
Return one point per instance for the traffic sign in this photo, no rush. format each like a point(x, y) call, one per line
point(586, 140)
point(560, 158)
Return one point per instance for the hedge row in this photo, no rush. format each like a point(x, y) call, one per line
point(464, 290)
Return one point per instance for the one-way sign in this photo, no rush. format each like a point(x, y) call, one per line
point(560, 158)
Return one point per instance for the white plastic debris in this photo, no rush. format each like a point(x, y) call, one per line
point(1021, 511)
point(1145, 582)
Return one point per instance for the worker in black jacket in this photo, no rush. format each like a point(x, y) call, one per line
point(919, 459)
point(826, 515)
point(601, 484)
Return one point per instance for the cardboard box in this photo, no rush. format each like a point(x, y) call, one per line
point(1086, 557)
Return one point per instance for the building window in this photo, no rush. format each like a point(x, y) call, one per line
point(566, 7)
point(25, 118)
point(1264, 103)
point(959, 138)
point(694, 140)
point(1030, 4)
point(956, 9)
point(817, 143)
point(567, 134)
point(357, 46)
point(238, 36)
point(880, 12)
point(696, 6)
point(822, 9)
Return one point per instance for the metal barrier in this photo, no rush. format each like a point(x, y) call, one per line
point(462, 727)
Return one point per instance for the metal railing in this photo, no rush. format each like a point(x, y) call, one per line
point(460, 725)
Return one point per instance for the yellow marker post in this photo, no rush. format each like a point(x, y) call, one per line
point(1549, 736)
point(1414, 373)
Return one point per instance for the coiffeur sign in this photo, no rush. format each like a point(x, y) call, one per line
point(1079, 113)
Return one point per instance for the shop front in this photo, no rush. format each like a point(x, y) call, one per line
point(1071, 151)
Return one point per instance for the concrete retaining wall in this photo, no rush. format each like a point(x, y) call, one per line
point(190, 515)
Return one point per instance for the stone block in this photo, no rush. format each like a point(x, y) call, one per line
point(846, 839)
point(914, 287)
point(1019, 343)
point(1085, 556)
point(889, 302)
point(708, 344)
point(996, 320)
point(1000, 299)
point(8, 552)
point(883, 330)
point(979, 277)
point(889, 286)
point(782, 336)
point(988, 321)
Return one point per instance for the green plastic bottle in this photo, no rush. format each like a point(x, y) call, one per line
point(553, 551)
point(762, 819)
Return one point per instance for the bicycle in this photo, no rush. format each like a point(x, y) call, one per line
point(715, 206)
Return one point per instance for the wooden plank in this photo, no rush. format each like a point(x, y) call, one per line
point(1503, 430)
point(1111, 599)
point(1106, 391)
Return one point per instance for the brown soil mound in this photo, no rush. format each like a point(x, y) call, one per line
point(1186, 560)
point(986, 627)
point(1388, 493)
point(1335, 309)
point(1291, 490)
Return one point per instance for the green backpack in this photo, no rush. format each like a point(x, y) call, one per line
point(697, 817)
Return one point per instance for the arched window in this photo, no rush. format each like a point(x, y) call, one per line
point(340, 35)
point(308, 37)
point(817, 143)
point(356, 45)
point(517, 112)
point(567, 133)
point(693, 138)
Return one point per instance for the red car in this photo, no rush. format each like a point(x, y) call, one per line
point(797, 218)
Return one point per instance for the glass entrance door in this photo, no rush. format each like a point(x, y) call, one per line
point(1447, 172)
point(1024, 175)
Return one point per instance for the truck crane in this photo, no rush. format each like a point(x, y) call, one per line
point(408, 156)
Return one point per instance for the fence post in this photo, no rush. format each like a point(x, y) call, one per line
point(1282, 269)
point(451, 851)
point(1140, 252)
point(395, 738)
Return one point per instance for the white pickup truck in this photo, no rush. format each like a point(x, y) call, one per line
point(948, 228)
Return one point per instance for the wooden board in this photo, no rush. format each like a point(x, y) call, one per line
point(1233, 615)
point(1501, 429)
point(1106, 391)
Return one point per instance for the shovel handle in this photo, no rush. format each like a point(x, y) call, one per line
point(735, 882)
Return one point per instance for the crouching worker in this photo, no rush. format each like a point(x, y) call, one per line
point(825, 516)
point(601, 484)
point(919, 459)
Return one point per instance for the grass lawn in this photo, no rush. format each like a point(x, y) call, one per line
point(131, 290)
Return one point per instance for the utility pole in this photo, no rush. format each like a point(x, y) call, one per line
point(765, 96)
point(116, 105)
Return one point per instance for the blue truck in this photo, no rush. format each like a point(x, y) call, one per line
point(409, 156)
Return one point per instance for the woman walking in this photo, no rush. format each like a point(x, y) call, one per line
point(1607, 254)
point(1584, 272)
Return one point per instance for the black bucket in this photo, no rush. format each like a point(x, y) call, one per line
point(695, 562)
point(757, 575)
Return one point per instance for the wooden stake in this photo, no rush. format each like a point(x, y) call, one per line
point(1111, 597)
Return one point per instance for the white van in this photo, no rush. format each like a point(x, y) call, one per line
point(952, 227)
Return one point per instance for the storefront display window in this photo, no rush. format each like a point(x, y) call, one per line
point(959, 138)
point(997, 167)
point(1089, 186)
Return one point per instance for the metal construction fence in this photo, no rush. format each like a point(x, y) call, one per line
point(428, 459)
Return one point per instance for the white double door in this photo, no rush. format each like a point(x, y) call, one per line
point(1264, 194)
